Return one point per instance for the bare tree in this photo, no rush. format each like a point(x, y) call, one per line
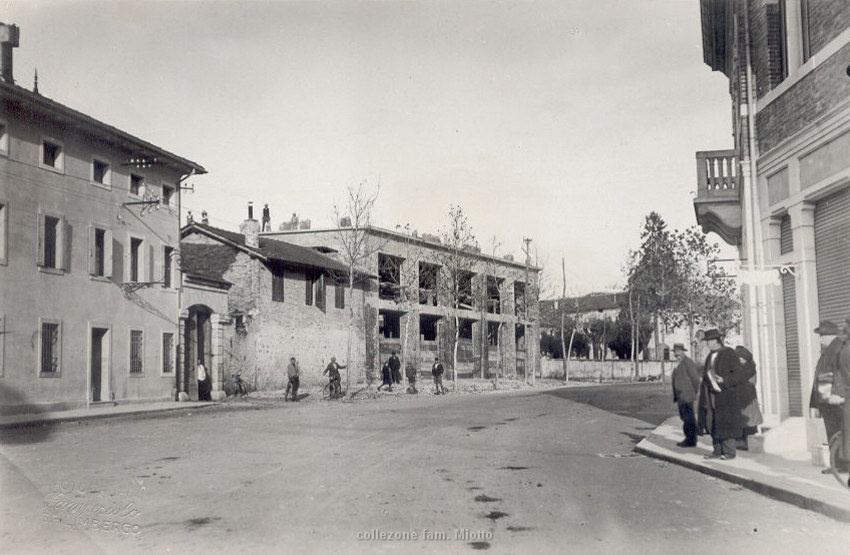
point(353, 218)
point(457, 266)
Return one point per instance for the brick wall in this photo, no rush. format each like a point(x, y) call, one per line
point(758, 41)
point(817, 93)
point(827, 19)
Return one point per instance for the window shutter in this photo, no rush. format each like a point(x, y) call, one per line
point(63, 245)
point(39, 254)
point(308, 280)
point(163, 264)
point(149, 263)
point(107, 254)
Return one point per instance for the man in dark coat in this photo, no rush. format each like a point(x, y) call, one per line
point(437, 372)
point(841, 389)
point(825, 401)
point(720, 408)
point(395, 368)
point(685, 386)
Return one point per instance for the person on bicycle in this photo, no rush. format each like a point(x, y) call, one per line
point(293, 373)
point(333, 376)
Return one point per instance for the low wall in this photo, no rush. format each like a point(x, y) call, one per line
point(603, 370)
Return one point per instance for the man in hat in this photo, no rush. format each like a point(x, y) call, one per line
point(685, 386)
point(827, 391)
point(719, 406)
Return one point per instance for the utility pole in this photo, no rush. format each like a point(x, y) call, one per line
point(527, 251)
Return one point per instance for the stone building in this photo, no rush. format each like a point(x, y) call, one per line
point(89, 229)
point(781, 193)
point(409, 310)
point(251, 302)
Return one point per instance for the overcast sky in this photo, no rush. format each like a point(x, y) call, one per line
point(563, 121)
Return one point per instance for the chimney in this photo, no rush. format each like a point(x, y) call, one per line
point(250, 228)
point(204, 219)
point(8, 40)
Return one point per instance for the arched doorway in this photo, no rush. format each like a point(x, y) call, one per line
point(198, 342)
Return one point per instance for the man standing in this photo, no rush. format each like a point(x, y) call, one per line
point(410, 370)
point(395, 368)
point(840, 390)
point(294, 373)
point(437, 372)
point(720, 408)
point(685, 386)
point(267, 219)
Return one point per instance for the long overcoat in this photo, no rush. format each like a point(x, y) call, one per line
point(720, 412)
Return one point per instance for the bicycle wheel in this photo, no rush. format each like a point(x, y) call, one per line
point(326, 391)
point(837, 461)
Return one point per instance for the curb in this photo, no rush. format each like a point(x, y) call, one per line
point(645, 447)
point(59, 418)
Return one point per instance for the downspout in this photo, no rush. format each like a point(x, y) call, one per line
point(180, 354)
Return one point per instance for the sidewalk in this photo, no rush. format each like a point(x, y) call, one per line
point(797, 482)
point(99, 411)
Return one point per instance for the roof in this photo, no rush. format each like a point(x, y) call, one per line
point(63, 114)
point(593, 302)
point(209, 262)
point(269, 249)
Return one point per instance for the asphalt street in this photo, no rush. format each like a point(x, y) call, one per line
point(548, 471)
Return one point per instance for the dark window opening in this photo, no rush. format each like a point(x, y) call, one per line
point(167, 193)
point(100, 172)
point(99, 252)
point(520, 337)
point(51, 241)
point(428, 283)
point(136, 184)
point(167, 252)
point(492, 333)
point(136, 352)
point(320, 292)
point(465, 299)
point(308, 288)
point(389, 276)
point(167, 353)
point(135, 258)
point(519, 298)
point(777, 63)
point(277, 284)
point(389, 324)
point(339, 295)
point(49, 348)
point(465, 329)
point(428, 327)
point(50, 154)
point(494, 295)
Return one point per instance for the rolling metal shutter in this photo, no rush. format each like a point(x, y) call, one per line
point(786, 237)
point(792, 345)
point(832, 251)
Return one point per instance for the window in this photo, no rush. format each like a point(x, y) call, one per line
point(136, 184)
point(493, 334)
point(777, 63)
point(167, 193)
point(494, 297)
point(100, 252)
point(136, 352)
point(100, 173)
point(50, 348)
point(804, 24)
point(465, 331)
point(167, 253)
point(135, 259)
point(4, 138)
point(320, 292)
point(428, 327)
point(51, 242)
point(428, 283)
point(308, 290)
point(389, 324)
point(389, 276)
point(339, 296)
point(519, 298)
point(4, 218)
point(167, 353)
point(52, 155)
point(277, 284)
point(465, 298)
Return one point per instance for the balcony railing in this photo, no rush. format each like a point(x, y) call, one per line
point(718, 202)
point(717, 175)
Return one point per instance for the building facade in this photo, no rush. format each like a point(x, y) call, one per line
point(781, 194)
point(492, 318)
point(89, 232)
point(250, 303)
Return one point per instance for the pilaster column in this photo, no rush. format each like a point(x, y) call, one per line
point(803, 226)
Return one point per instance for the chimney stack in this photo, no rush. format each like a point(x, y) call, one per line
point(9, 35)
point(250, 228)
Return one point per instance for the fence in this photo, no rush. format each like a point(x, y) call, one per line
point(603, 370)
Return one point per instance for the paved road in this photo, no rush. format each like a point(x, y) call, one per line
point(525, 472)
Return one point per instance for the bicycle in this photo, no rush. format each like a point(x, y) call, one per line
point(837, 460)
point(332, 390)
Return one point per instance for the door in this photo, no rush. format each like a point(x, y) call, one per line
point(98, 351)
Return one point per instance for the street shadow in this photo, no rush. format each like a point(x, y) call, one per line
point(302, 396)
point(15, 403)
point(650, 402)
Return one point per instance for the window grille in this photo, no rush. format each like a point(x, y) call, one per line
point(136, 354)
point(167, 353)
point(49, 348)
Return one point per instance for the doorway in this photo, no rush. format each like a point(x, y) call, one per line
point(99, 364)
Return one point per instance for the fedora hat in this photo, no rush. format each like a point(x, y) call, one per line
point(713, 333)
point(827, 327)
point(679, 347)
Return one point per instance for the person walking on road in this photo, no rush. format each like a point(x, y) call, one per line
point(748, 397)
point(395, 368)
point(437, 372)
point(719, 407)
point(410, 370)
point(294, 375)
point(386, 377)
point(685, 381)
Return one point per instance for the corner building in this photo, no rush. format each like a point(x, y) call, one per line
point(781, 193)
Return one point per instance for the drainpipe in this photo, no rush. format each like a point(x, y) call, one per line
point(180, 351)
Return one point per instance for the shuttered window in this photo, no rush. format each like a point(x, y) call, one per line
point(277, 285)
point(832, 252)
point(786, 237)
point(792, 346)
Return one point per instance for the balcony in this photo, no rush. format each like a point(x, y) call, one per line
point(718, 202)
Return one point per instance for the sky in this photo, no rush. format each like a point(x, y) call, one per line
point(563, 121)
